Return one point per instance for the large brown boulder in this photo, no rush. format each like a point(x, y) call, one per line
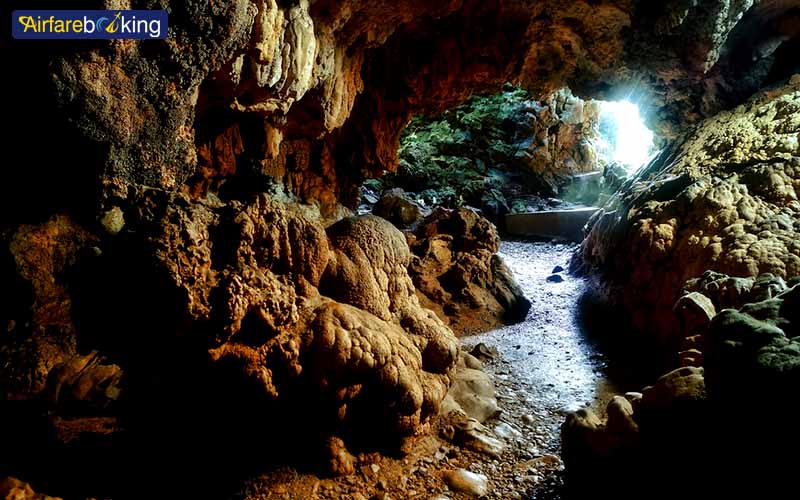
point(292, 307)
point(398, 208)
point(458, 274)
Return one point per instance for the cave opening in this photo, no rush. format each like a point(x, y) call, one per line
point(624, 136)
point(510, 153)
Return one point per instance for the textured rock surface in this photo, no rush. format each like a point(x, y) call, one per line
point(359, 342)
point(724, 198)
point(756, 349)
point(140, 253)
point(472, 394)
point(458, 273)
point(14, 489)
point(563, 130)
point(739, 384)
point(398, 208)
point(264, 321)
point(37, 318)
point(312, 96)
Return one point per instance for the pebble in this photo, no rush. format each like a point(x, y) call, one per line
point(375, 468)
point(555, 278)
point(558, 269)
point(464, 481)
point(505, 431)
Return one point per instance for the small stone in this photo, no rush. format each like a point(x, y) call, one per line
point(375, 468)
point(474, 436)
point(113, 220)
point(555, 278)
point(505, 431)
point(471, 361)
point(483, 352)
point(695, 312)
point(558, 269)
point(529, 419)
point(380, 496)
point(464, 481)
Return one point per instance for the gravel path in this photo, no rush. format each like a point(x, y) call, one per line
point(545, 367)
point(548, 355)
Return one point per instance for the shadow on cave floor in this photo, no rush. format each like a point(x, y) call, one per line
point(571, 351)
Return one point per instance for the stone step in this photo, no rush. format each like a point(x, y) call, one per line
point(564, 224)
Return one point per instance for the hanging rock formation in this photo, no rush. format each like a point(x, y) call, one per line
point(312, 96)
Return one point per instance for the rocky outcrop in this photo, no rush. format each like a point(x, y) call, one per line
point(755, 349)
point(293, 307)
point(40, 332)
point(252, 315)
point(743, 361)
point(723, 198)
point(561, 145)
point(398, 208)
point(458, 274)
point(14, 489)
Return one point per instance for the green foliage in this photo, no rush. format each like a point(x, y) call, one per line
point(461, 155)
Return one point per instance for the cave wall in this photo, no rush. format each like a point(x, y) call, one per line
point(312, 96)
point(153, 244)
point(721, 198)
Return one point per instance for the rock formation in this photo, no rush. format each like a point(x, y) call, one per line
point(177, 260)
point(458, 274)
point(563, 127)
point(14, 489)
point(313, 96)
point(722, 198)
point(286, 321)
point(740, 361)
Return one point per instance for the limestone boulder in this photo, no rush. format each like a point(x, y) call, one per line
point(398, 208)
point(458, 274)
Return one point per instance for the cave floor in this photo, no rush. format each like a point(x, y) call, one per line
point(542, 368)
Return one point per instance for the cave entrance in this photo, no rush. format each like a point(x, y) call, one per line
point(550, 161)
point(624, 138)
